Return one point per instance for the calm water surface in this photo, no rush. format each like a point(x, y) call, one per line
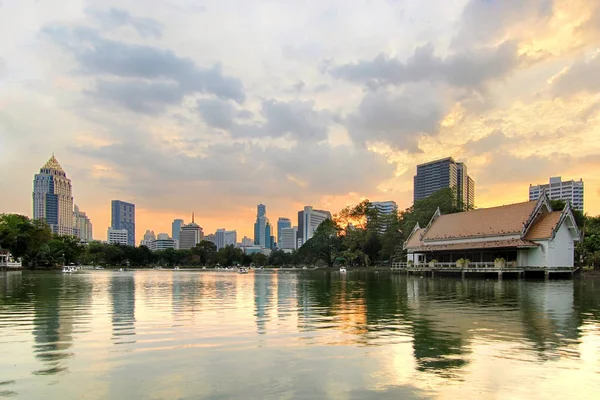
point(305, 335)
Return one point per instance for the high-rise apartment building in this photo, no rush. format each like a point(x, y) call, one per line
point(557, 189)
point(123, 217)
point(82, 226)
point(117, 236)
point(149, 237)
point(311, 219)
point(190, 235)
point(220, 236)
point(260, 224)
point(385, 208)
point(282, 222)
point(287, 238)
point(231, 238)
point(175, 228)
point(444, 173)
point(53, 198)
point(247, 242)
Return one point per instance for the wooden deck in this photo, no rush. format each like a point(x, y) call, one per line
point(474, 269)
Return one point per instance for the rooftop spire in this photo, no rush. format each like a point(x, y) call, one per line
point(192, 217)
point(53, 164)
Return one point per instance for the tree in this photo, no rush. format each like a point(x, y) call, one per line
point(325, 245)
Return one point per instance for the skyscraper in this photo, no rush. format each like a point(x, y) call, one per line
point(557, 189)
point(175, 228)
point(52, 197)
point(287, 240)
point(269, 238)
point(384, 208)
point(123, 217)
point(230, 238)
point(190, 235)
point(282, 223)
point(82, 226)
point(444, 173)
point(311, 220)
point(220, 236)
point(260, 224)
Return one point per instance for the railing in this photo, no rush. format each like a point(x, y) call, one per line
point(454, 265)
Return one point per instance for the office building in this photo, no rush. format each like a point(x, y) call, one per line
point(149, 237)
point(288, 238)
point(311, 219)
point(175, 228)
point(441, 174)
point(220, 235)
point(260, 224)
point(282, 223)
point(162, 242)
point(230, 238)
point(190, 235)
point(117, 236)
point(247, 242)
point(211, 237)
point(269, 238)
point(557, 189)
point(123, 217)
point(82, 226)
point(53, 198)
point(384, 209)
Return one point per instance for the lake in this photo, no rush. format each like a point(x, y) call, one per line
point(300, 335)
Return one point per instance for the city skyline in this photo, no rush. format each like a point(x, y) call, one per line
point(166, 107)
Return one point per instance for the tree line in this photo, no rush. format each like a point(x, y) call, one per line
point(356, 236)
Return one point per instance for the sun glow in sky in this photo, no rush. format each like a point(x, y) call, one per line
point(217, 106)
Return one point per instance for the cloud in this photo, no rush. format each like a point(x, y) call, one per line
point(295, 119)
point(237, 169)
point(485, 21)
point(506, 167)
point(117, 18)
point(581, 76)
point(491, 142)
point(143, 78)
point(470, 69)
point(397, 119)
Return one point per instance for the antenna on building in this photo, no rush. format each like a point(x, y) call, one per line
point(192, 217)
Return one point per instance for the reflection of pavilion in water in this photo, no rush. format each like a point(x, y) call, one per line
point(122, 292)
point(58, 301)
point(444, 328)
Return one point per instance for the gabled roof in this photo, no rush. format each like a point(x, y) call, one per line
point(414, 240)
point(490, 244)
point(494, 221)
point(543, 226)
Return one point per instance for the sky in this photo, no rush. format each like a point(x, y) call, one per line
point(216, 106)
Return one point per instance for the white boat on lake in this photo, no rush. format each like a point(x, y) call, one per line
point(343, 270)
point(68, 270)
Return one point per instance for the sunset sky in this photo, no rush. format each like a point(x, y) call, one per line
point(216, 106)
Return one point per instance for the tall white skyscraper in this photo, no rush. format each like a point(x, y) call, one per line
point(52, 197)
point(557, 189)
point(220, 235)
point(311, 220)
point(82, 226)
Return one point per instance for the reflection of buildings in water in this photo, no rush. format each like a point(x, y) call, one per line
point(58, 300)
point(186, 295)
point(548, 317)
point(286, 294)
point(122, 291)
point(11, 283)
point(262, 296)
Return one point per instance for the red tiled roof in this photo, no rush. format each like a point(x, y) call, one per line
point(415, 239)
point(543, 226)
point(492, 244)
point(494, 221)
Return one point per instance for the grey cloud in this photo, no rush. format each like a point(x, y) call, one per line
point(493, 141)
point(2, 68)
point(322, 88)
point(139, 96)
point(169, 77)
point(217, 113)
point(483, 22)
point(295, 119)
point(470, 69)
point(116, 18)
point(397, 119)
point(581, 76)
